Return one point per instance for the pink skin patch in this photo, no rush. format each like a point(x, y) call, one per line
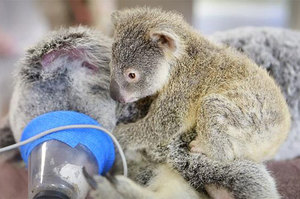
point(89, 66)
point(73, 54)
point(195, 147)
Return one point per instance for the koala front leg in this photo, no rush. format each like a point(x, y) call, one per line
point(167, 184)
point(128, 134)
point(141, 132)
point(240, 178)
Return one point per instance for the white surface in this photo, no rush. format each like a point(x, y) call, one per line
point(74, 176)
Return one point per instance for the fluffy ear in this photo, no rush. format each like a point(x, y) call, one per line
point(115, 17)
point(167, 40)
point(57, 58)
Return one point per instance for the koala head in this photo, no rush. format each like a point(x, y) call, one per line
point(146, 43)
point(68, 70)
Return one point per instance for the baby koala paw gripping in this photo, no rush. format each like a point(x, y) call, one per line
point(195, 147)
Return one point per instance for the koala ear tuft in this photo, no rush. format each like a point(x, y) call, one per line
point(55, 59)
point(115, 17)
point(166, 40)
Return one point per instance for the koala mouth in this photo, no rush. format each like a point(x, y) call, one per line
point(122, 99)
point(131, 99)
point(118, 94)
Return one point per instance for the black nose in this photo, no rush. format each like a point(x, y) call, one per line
point(114, 91)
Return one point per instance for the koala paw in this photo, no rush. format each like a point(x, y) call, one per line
point(195, 147)
point(119, 187)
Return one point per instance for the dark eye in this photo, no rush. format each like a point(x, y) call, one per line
point(131, 75)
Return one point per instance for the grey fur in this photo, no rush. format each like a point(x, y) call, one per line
point(65, 83)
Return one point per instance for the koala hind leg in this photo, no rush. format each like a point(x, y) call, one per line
point(222, 129)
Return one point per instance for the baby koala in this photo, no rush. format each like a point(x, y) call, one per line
point(235, 107)
point(212, 97)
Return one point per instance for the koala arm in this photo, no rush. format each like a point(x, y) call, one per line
point(156, 128)
point(129, 133)
point(242, 178)
point(238, 180)
point(166, 185)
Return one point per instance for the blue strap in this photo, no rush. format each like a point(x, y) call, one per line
point(98, 142)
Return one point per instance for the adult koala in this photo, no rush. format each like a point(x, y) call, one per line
point(66, 71)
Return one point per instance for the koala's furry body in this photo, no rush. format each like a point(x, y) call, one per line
point(213, 95)
point(69, 71)
point(235, 107)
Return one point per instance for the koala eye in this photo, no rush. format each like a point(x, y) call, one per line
point(131, 75)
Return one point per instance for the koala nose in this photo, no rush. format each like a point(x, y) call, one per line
point(114, 91)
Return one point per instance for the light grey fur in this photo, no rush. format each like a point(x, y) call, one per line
point(64, 83)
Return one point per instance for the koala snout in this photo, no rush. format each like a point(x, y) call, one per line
point(114, 91)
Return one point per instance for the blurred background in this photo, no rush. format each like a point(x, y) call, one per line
point(24, 22)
